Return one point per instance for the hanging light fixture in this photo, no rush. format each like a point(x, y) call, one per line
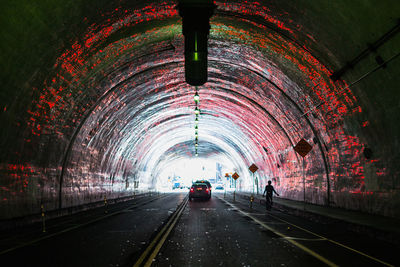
point(196, 111)
point(195, 28)
point(196, 96)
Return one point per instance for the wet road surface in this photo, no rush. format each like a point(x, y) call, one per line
point(212, 233)
point(116, 240)
point(221, 232)
point(218, 232)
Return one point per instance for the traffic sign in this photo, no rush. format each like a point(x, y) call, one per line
point(253, 168)
point(235, 176)
point(303, 148)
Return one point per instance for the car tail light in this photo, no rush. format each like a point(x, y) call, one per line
point(191, 189)
point(206, 189)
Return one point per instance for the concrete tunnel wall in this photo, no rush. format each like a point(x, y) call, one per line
point(94, 99)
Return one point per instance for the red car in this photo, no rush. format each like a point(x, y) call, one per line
point(199, 190)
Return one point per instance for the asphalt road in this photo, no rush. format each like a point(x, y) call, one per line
point(221, 232)
point(218, 232)
point(211, 233)
point(113, 239)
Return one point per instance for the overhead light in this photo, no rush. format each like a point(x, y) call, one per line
point(196, 121)
point(196, 111)
point(196, 145)
point(196, 127)
point(196, 97)
point(195, 28)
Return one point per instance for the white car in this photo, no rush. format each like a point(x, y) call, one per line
point(219, 188)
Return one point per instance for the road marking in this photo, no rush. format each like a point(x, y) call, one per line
point(306, 239)
point(160, 238)
point(304, 248)
point(72, 228)
point(153, 209)
point(334, 242)
point(158, 247)
point(330, 240)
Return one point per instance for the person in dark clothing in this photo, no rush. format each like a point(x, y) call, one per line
point(269, 190)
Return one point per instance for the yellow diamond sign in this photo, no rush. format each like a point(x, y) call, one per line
point(303, 148)
point(253, 168)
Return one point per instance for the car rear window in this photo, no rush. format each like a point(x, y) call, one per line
point(200, 185)
point(204, 182)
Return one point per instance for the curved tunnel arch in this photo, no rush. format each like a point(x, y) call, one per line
point(100, 119)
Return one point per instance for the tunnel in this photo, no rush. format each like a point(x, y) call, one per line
point(95, 104)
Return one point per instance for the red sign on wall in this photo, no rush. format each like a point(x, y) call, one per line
point(253, 168)
point(303, 148)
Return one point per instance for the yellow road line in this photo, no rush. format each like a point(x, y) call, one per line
point(70, 228)
point(159, 245)
point(150, 246)
point(169, 225)
point(304, 248)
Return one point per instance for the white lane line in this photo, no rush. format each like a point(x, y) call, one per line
point(304, 248)
point(332, 241)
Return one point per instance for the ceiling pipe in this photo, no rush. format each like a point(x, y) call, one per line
point(371, 48)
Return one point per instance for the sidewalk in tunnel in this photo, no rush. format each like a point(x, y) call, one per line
point(381, 227)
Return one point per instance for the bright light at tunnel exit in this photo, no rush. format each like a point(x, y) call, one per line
point(187, 171)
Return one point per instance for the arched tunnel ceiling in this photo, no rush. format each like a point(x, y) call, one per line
point(102, 99)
